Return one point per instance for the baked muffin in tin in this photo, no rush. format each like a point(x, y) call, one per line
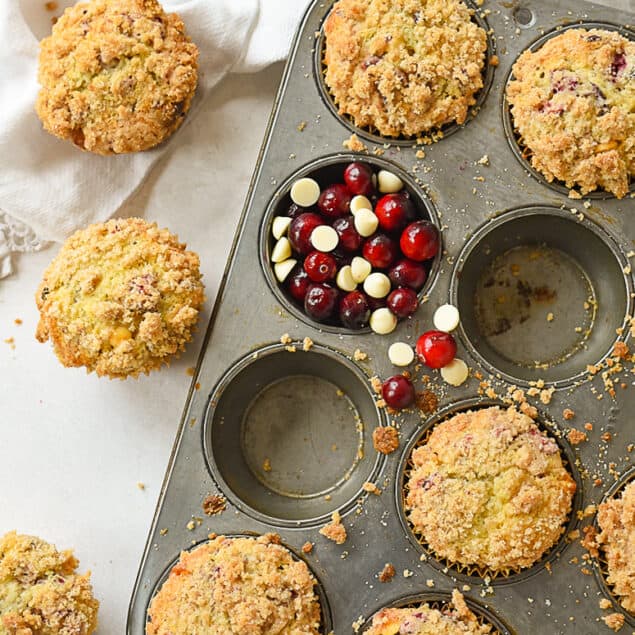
point(404, 67)
point(573, 105)
point(40, 591)
point(120, 298)
point(241, 586)
point(116, 75)
point(489, 489)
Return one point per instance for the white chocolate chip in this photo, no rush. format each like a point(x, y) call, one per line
point(401, 354)
point(383, 321)
point(377, 285)
point(284, 268)
point(345, 280)
point(360, 202)
point(455, 373)
point(388, 182)
point(281, 250)
point(305, 192)
point(280, 225)
point(366, 222)
point(446, 318)
point(324, 238)
point(360, 268)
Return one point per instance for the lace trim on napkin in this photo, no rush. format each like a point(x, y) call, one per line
point(15, 236)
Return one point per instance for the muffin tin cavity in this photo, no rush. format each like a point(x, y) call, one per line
point(520, 150)
point(441, 601)
point(600, 564)
point(475, 574)
point(326, 626)
point(372, 135)
point(327, 171)
point(541, 294)
point(288, 434)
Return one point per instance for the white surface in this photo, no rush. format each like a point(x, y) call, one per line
point(74, 446)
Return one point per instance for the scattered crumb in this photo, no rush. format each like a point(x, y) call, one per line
point(484, 160)
point(549, 317)
point(614, 621)
point(420, 154)
point(387, 573)
point(285, 338)
point(359, 356)
point(385, 439)
point(576, 437)
point(574, 194)
point(568, 414)
point(50, 6)
point(407, 573)
point(191, 525)
point(354, 144)
point(493, 60)
point(11, 342)
point(545, 395)
point(17, 321)
point(164, 531)
point(197, 385)
point(307, 547)
point(530, 411)
point(621, 350)
point(334, 530)
point(301, 126)
point(213, 504)
point(141, 486)
point(589, 541)
point(426, 401)
point(375, 383)
point(606, 436)
point(190, 371)
point(371, 488)
point(266, 465)
point(588, 426)
point(605, 604)
point(430, 583)
point(307, 344)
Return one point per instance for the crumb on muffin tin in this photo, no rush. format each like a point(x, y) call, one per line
point(120, 298)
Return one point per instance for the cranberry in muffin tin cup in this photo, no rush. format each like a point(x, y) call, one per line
point(542, 293)
point(276, 419)
point(477, 574)
point(372, 136)
point(327, 171)
point(520, 150)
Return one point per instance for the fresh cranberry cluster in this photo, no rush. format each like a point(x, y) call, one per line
point(355, 253)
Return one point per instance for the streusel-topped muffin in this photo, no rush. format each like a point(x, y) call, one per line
point(403, 67)
point(120, 298)
point(237, 586)
point(616, 518)
point(488, 488)
point(457, 619)
point(40, 591)
point(117, 75)
point(573, 104)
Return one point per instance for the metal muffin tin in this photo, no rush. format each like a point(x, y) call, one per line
point(285, 436)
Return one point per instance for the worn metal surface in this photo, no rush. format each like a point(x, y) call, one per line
point(244, 411)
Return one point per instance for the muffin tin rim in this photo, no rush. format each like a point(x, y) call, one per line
point(567, 453)
point(444, 131)
point(216, 393)
point(508, 121)
point(325, 161)
point(481, 232)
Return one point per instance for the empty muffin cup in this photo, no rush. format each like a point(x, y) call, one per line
point(288, 435)
point(542, 295)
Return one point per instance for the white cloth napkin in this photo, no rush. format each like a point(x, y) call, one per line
point(49, 188)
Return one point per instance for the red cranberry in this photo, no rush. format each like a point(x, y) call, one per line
point(398, 392)
point(408, 273)
point(394, 211)
point(341, 257)
point(376, 303)
point(320, 267)
point(402, 302)
point(381, 251)
point(320, 301)
point(350, 240)
point(335, 200)
point(359, 178)
point(354, 310)
point(420, 241)
point(298, 284)
point(618, 64)
point(436, 349)
point(301, 229)
point(295, 210)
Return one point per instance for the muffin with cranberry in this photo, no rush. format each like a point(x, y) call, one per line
point(116, 75)
point(236, 586)
point(41, 592)
point(404, 67)
point(572, 105)
point(489, 489)
point(616, 518)
point(120, 298)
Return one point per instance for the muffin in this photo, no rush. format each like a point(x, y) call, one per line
point(572, 103)
point(489, 489)
point(241, 586)
point(40, 591)
point(120, 298)
point(116, 75)
point(616, 519)
point(424, 620)
point(404, 67)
